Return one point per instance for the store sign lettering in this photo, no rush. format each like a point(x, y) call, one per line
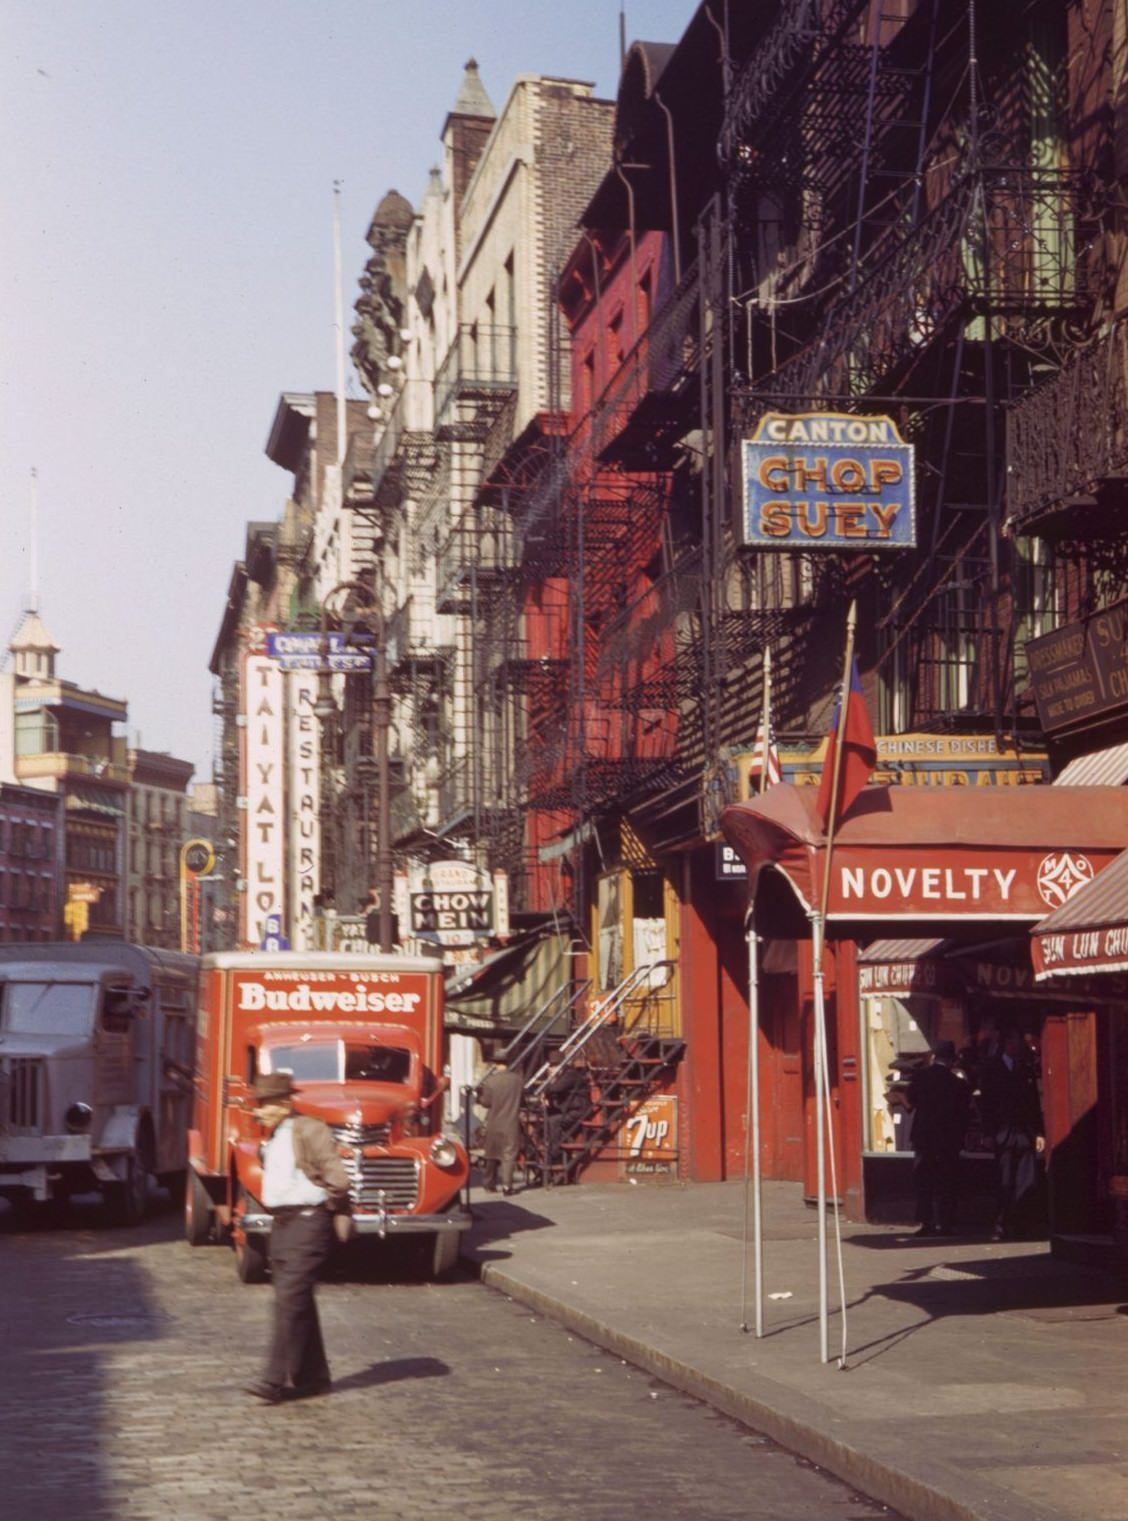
point(827, 481)
point(938, 884)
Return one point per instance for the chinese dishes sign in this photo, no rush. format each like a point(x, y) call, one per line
point(826, 480)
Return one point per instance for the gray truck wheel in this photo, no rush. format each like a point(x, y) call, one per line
point(197, 1211)
point(128, 1200)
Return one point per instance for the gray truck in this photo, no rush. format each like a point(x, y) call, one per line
point(97, 1046)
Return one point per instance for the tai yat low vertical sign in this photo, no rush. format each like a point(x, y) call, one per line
point(827, 480)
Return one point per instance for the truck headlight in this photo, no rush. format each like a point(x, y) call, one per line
point(77, 1118)
point(443, 1152)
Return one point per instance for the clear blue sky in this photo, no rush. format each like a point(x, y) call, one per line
point(166, 271)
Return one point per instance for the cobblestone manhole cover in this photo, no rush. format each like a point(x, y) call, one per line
point(122, 1320)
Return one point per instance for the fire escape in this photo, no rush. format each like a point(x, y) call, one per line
point(927, 267)
point(473, 553)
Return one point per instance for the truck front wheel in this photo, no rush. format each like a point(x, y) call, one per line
point(197, 1211)
point(444, 1255)
point(252, 1252)
point(251, 1257)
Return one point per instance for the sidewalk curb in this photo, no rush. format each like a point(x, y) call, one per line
point(879, 1480)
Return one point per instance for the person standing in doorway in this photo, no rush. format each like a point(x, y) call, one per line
point(501, 1092)
point(1012, 1121)
point(940, 1099)
point(303, 1184)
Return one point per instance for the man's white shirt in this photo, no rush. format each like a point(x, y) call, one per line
point(284, 1185)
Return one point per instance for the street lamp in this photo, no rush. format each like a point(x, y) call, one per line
point(325, 708)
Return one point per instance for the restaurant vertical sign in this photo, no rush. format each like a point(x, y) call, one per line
point(263, 792)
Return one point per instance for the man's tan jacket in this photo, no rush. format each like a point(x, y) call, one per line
point(315, 1152)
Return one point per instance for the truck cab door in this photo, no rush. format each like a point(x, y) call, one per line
point(114, 1048)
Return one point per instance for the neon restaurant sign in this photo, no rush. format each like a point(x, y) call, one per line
point(827, 481)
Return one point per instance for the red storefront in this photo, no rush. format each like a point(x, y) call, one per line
point(975, 866)
point(1081, 952)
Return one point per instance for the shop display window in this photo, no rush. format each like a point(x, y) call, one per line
point(899, 1035)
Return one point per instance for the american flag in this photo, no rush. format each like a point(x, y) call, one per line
point(764, 769)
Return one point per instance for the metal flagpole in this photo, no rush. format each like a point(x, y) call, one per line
point(339, 313)
point(752, 1168)
point(818, 935)
point(752, 1145)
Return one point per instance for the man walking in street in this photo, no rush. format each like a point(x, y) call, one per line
point(501, 1093)
point(940, 1099)
point(303, 1183)
point(1012, 1121)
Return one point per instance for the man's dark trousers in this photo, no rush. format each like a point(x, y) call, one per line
point(936, 1170)
point(300, 1243)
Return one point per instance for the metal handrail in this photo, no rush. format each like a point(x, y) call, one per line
point(547, 1024)
point(601, 1015)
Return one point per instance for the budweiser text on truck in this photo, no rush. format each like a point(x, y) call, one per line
point(362, 1037)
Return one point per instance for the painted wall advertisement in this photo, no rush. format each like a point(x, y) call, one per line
point(827, 480)
point(651, 1136)
point(1079, 673)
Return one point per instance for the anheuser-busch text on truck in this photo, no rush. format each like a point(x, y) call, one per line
point(362, 1037)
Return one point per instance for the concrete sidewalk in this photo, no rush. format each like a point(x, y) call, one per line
point(985, 1380)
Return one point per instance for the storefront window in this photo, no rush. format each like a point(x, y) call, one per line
point(900, 1033)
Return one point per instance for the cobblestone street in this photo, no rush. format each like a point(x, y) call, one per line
point(124, 1352)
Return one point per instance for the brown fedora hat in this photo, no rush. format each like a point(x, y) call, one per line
point(274, 1085)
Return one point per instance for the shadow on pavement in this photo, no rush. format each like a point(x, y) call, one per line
point(1024, 1284)
point(59, 1401)
point(394, 1371)
point(496, 1220)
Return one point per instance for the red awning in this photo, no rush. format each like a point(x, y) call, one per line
point(932, 856)
point(1089, 933)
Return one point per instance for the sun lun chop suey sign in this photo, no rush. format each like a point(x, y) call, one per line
point(827, 480)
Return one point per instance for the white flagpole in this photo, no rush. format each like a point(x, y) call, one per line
point(818, 935)
point(752, 1167)
point(339, 306)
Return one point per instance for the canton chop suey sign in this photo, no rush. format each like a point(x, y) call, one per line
point(983, 884)
point(827, 480)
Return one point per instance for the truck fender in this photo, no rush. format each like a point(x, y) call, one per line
point(119, 1133)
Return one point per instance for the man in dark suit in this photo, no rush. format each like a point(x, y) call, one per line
point(1012, 1122)
point(940, 1098)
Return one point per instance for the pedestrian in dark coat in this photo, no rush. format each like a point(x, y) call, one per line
point(940, 1098)
point(304, 1183)
point(501, 1092)
point(568, 1098)
point(1012, 1121)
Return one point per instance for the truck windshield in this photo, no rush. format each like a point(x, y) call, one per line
point(311, 1062)
point(47, 1008)
point(377, 1064)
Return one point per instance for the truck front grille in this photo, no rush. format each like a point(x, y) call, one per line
point(21, 1095)
point(397, 1177)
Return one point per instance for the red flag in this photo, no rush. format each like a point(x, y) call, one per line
point(850, 730)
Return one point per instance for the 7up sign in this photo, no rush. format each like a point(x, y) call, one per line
point(651, 1136)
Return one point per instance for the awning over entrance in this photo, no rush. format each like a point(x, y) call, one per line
point(1089, 933)
point(1103, 768)
point(934, 856)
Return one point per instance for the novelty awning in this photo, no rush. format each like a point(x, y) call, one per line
point(918, 859)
